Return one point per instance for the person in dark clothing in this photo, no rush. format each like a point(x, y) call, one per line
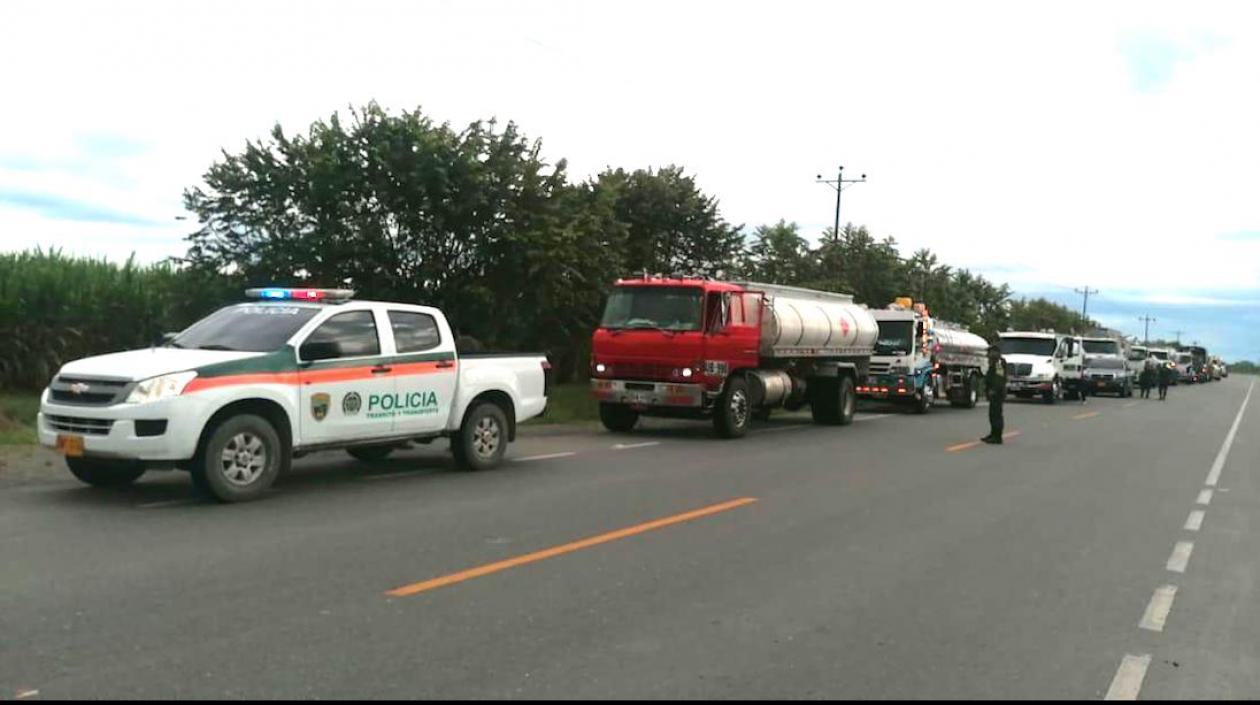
point(1166, 372)
point(995, 390)
point(1146, 378)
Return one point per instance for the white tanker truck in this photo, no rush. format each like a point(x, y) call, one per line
point(918, 359)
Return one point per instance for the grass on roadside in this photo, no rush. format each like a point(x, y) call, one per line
point(17, 418)
point(569, 403)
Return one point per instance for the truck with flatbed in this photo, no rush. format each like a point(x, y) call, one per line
point(692, 347)
point(918, 359)
point(237, 395)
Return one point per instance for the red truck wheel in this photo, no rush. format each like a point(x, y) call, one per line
point(733, 411)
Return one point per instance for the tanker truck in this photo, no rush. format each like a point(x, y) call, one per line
point(918, 359)
point(689, 347)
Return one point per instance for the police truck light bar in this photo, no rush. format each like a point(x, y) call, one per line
point(280, 293)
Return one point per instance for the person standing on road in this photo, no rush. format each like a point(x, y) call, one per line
point(1146, 378)
point(1166, 372)
point(995, 391)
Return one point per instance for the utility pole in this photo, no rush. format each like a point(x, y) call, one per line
point(1148, 320)
point(1085, 309)
point(838, 185)
point(1178, 334)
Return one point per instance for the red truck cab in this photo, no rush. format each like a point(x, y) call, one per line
point(668, 345)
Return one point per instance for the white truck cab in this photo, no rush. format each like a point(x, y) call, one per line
point(234, 397)
point(1043, 363)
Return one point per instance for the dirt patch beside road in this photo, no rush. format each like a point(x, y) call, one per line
point(24, 464)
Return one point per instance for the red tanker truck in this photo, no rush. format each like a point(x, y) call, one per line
point(686, 347)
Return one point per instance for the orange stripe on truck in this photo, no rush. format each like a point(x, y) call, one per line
point(314, 376)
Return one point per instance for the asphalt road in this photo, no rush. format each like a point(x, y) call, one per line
point(888, 559)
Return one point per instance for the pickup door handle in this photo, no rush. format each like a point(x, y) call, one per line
point(381, 369)
point(445, 364)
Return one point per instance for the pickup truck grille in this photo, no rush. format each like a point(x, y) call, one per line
point(1020, 369)
point(74, 424)
point(84, 391)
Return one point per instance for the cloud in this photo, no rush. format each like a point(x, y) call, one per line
point(1153, 58)
point(60, 208)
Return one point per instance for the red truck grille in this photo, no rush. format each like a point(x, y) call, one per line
point(636, 370)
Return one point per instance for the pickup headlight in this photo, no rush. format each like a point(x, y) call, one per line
point(160, 387)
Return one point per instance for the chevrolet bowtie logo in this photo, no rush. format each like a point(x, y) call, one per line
point(79, 388)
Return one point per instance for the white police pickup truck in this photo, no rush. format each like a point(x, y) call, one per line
point(236, 396)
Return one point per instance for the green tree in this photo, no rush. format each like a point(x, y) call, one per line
point(778, 255)
point(1039, 313)
point(671, 226)
point(399, 207)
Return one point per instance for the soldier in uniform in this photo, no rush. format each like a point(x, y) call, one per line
point(995, 390)
point(1146, 378)
point(1166, 372)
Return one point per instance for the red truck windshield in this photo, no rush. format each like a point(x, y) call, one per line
point(674, 308)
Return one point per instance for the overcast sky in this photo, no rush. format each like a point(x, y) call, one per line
point(1048, 145)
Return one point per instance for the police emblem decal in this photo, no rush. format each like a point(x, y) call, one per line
point(351, 403)
point(319, 405)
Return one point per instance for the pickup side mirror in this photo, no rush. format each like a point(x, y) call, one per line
point(316, 350)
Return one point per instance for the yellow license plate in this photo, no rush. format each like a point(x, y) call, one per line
point(68, 445)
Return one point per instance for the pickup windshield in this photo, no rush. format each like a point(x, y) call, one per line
point(1028, 346)
point(1102, 347)
point(894, 338)
point(246, 328)
point(674, 308)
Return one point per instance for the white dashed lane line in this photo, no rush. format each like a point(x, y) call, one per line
point(1194, 522)
point(1180, 557)
point(1157, 610)
point(1128, 681)
point(1205, 497)
point(629, 446)
point(548, 456)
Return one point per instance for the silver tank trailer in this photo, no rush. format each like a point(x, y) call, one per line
point(808, 323)
point(960, 347)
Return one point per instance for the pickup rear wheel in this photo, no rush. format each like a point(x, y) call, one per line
point(241, 459)
point(618, 418)
point(482, 439)
point(104, 473)
point(733, 411)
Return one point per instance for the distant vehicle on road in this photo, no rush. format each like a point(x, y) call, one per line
point(689, 347)
point(1200, 365)
point(1185, 368)
point(922, 358)
point(1109, 375)
point(1136, 359)
point(235, 397)
point(1043, 363)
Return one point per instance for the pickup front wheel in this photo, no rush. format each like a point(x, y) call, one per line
point(105, 473)
point(240, 460)
point(482, 439)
